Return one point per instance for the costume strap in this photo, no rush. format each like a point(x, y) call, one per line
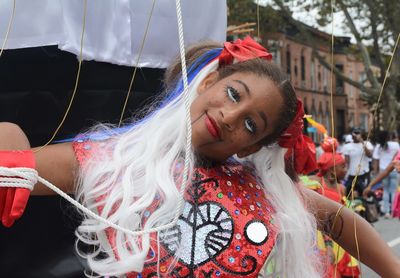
point(17, 178)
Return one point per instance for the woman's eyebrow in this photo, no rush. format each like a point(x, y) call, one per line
point(264, 118)
point(246, 88)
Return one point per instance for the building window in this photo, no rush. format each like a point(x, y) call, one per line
point(350, 86)
point(303, 68)
point(288, 62)
point(339, 81)
point(325, 79)
point(312, 76)
point(364, 121)
point(351, 120)
point(276, 56)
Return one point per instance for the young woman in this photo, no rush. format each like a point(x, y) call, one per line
point(242, 214)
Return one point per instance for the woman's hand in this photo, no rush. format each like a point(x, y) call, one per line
point(366, 191)
point(396, 165)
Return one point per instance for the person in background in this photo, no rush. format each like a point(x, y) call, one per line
point(383, 155)
point(343, 140)
point(357, 154)
point(393, 165)
point(331, 172)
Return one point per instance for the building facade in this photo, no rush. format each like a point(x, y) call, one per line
point(314, 82)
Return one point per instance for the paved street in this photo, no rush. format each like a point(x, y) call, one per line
point(389, 229)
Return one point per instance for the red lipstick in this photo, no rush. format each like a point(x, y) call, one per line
point(212, 127)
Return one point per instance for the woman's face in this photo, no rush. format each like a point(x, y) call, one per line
point(341, 171)
point(230, 116)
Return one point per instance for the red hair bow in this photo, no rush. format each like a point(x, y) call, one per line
point(289, 137)
point(242, 50)
point(300, 147)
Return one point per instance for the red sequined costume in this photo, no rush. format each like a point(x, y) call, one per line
point(226, 228)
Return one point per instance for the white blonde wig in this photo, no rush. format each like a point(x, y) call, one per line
point(136, 166)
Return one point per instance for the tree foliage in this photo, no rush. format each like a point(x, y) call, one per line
point(375, 25)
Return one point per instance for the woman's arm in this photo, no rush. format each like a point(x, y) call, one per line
point(343, 227)
point(58, 165)
point(55, 163)
point(378, 178)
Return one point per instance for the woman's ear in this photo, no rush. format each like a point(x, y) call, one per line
point(249, 150)
point(207, 82)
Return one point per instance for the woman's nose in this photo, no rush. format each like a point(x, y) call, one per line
point(230, 118)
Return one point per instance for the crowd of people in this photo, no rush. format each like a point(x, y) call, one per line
point(371, 168)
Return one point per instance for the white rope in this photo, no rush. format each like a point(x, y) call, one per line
point(27, 178)
point(18, 177)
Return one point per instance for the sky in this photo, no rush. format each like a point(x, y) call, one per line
point(309, 18)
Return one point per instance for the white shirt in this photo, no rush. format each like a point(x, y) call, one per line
point(385, 156)
point(355, 151)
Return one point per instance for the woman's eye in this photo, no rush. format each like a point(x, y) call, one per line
point(250, 125)
point(233, 94)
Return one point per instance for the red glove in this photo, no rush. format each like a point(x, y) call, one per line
point(13, 200)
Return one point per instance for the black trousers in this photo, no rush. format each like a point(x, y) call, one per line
point(360, 184)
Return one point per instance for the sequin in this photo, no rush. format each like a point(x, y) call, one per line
point(231, 260)
point(239, 201)
point(252, 207)
point(256, 232)
point(203, 211)
point(258, 204)
point(87, 147)
point(257, 194)
point(258, 187)
point(220, 195)
point(139, 275)
point(237, 212)
point(146, 213)
point(80, 141)
point(240, 187)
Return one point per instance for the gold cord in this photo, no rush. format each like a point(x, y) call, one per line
point(8, 29)
point(76, 82)
point(136, 64)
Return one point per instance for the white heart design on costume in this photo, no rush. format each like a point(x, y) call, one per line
point(203, 232)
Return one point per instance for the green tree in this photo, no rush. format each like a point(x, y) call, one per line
point(375, 38)
point(375, 35)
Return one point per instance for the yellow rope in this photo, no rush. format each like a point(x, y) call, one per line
point(8, 29)
point(137, 63)
point(76, 81)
